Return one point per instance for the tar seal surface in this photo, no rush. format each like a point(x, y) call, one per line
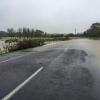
point(66, 78)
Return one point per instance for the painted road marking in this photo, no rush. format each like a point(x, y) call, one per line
point(16, 57)
point(7, 97)
point(19, 56)
point(10, 59)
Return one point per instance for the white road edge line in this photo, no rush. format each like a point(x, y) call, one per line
point(14, 58)
point(7, 97)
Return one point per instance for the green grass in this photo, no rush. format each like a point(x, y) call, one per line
point(13, 44)
point(24, 44)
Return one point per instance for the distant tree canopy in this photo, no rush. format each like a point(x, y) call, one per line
point(24, 32)
point(71, 34)
point(3, 34)
point(27, 33)
point(93, 31)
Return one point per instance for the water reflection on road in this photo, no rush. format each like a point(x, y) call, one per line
point(92, 47)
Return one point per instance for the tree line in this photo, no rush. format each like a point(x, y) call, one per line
point(93, 31)
point(27, 33)
point(24, 32)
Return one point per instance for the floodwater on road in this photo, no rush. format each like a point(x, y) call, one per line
point(71, 71)
point(73, 74)
point(92, 47)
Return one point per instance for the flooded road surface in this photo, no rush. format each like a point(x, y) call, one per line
point(92, 47)
point(71, 71)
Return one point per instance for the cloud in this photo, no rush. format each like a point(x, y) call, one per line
point(49, 15)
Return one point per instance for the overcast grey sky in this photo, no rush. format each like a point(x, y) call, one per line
point(49, 15)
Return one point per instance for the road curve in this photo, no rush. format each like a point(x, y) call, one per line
point(67, 73)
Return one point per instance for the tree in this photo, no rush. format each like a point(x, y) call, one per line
point(3, 34)
point(11, 32)
point(39, 33)
point(93, 31)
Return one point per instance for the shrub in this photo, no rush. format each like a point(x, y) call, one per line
point(24, 44)
point(16, 44)
point(11, 40)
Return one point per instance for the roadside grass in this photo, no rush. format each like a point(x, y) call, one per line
point(2, 52)
point(23, 44)
point(44, 39)
point(94, 38)
point(16, 44)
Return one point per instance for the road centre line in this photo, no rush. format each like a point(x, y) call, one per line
point(13, 92)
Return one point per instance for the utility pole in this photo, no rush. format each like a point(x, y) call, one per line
point(75, 31)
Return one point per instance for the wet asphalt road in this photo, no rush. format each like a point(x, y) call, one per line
point(66, 74)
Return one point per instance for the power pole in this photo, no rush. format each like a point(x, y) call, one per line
point(75, 31)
